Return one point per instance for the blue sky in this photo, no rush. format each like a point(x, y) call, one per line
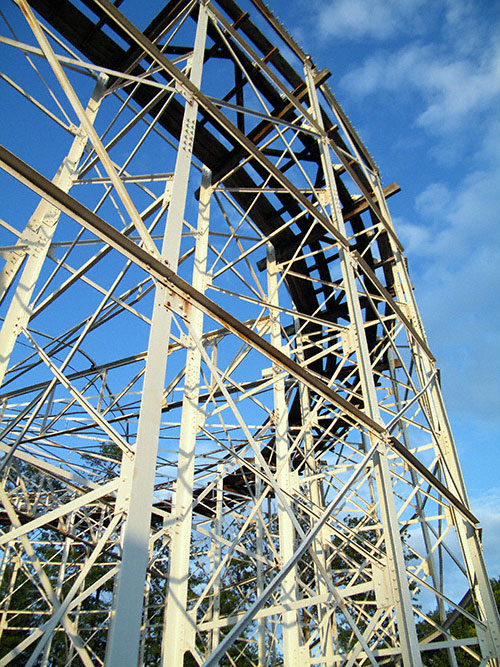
point(420, 80)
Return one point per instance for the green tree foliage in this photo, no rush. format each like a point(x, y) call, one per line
point(23, 601)
point(21, 590)
point(25, 604)
point(460, 629)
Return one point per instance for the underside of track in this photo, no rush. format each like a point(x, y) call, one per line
point(223, 436)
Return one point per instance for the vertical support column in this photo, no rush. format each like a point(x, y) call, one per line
point(420, 504)
point(68, 542)
point(217, 554)
point(259, 542)
point(178, 630)
point(11, 558)
point(73, 99)
point(400, 592)
point(467, 533)
point(291, 640)
point(138, 477)
point(38, 235)
point(315, 491)
point(146, 615)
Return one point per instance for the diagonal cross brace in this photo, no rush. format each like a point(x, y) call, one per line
point(106, 232)
point(155, 267)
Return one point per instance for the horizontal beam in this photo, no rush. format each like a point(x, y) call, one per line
point(190, 91)
point(359, 205)
point(191, 296)
point(155, 267)
point(420, 468)
point(55, 514)
point(388, 298)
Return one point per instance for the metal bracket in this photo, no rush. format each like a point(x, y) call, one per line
point(348, 338)
point(382, 587)
point(178, 305)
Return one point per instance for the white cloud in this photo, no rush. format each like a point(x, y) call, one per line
point(461, 222)
point(489, 149)
point(441, 81)
point(434, 199)
point(456, 89)
point(377, 19)
point(487, 509)
point(449, 89)
point(455, 242)
point(447, 67)
point(464, 25)
point(414, 237)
